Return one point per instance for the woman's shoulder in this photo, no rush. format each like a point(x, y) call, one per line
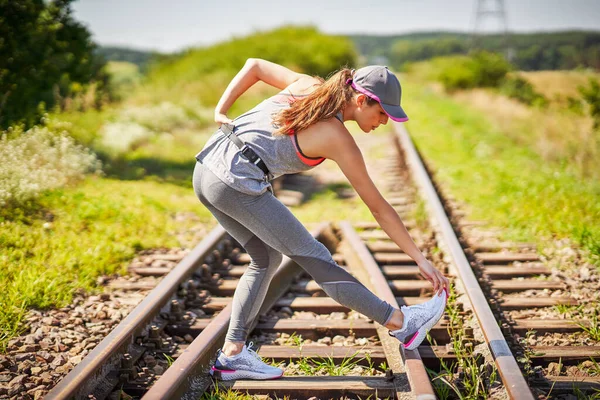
point(303, 86)
point(328, 136)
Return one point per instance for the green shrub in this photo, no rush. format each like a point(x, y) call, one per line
point(200, 73)
point(591, 96)
point(480, 69)
point(523, 91)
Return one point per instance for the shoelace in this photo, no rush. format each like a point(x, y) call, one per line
point(252, 351)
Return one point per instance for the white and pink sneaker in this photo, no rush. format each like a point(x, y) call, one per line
point(419, 319)
point(245, 365)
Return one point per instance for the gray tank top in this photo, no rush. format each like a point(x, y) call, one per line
point(281, 153)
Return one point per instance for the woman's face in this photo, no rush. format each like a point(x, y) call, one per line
point(369, 117)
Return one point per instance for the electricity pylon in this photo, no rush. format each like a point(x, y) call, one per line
point(486, 10)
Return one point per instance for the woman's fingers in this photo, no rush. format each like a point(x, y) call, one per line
point(434, 282)
point(438, 282)
point(435, 277)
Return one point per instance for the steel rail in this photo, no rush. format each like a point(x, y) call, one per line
point(418, 379)
point(106, 356)
point(188, 376)
point(511, 375)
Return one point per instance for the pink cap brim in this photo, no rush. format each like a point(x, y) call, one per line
point(395, 113)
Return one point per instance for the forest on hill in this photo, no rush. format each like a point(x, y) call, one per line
point(138, 57)
point(527, 51)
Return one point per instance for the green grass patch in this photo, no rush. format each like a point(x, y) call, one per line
point(67, 238)
point(328, 205)
point(507, 184)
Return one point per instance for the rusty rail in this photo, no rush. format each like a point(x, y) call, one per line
point(511, 375)
point(188, 376)
point(106, 356)
point(415, 370)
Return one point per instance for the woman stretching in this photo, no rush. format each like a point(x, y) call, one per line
point(288, 133)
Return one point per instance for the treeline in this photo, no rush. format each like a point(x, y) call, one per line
point(529, 52)
point(137, 57)
point(46, 58)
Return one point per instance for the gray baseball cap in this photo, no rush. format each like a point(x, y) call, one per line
point(377, 82)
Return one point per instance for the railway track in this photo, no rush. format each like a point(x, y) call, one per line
point(512, 294)
point(481, 347)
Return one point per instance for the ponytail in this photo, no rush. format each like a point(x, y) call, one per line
point(328, 99)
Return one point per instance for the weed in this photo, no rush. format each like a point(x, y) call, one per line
point(594, 370)
point(593, 329)
point(579, 394)
point(565, 308)
point(328, 366)
point(294, 340)
point(383, 366)
point(442, 381)
point(170, 360)
point(331, 368)
point(221, 393)
point(525, 360)
point(475, 377)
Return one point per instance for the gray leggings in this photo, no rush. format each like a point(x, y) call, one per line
point(267, 229)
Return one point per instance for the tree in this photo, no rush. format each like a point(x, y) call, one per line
point(45, 55)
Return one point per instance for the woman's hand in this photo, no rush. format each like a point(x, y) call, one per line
point(221, 119)
point(437, 279)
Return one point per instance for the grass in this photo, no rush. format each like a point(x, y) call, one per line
point(327, 365)
point(68, 237)
point(219, 393)
point(593, 330)
point(556, 86)
point(499, 180)
point(579, 314)
point(594, 370)
point(326, 205)
point(477, 378)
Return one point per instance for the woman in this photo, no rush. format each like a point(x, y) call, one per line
point(291, 132)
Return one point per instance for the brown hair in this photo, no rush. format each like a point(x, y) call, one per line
point(329, 98)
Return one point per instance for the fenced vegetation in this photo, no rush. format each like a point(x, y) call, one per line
point(102, 170)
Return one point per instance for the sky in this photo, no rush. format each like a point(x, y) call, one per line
point(170, 26)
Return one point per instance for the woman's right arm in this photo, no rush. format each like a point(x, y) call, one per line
point(343, 150)
point(253, 71)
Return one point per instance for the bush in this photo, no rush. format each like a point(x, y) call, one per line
point(591, 96)
point(202, 74)
point(120, 137)
point(39, 159)
point(480, 69)
point(523, 91)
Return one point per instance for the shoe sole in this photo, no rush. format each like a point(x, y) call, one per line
point(230, 375)
point(420, 335)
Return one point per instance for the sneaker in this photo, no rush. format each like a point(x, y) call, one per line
point(419, 319)
point(245, 365)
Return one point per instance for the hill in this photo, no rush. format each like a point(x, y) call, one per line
point(529, 51)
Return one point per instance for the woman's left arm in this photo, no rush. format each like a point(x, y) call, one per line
point(254, 70)
point(350, 160)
